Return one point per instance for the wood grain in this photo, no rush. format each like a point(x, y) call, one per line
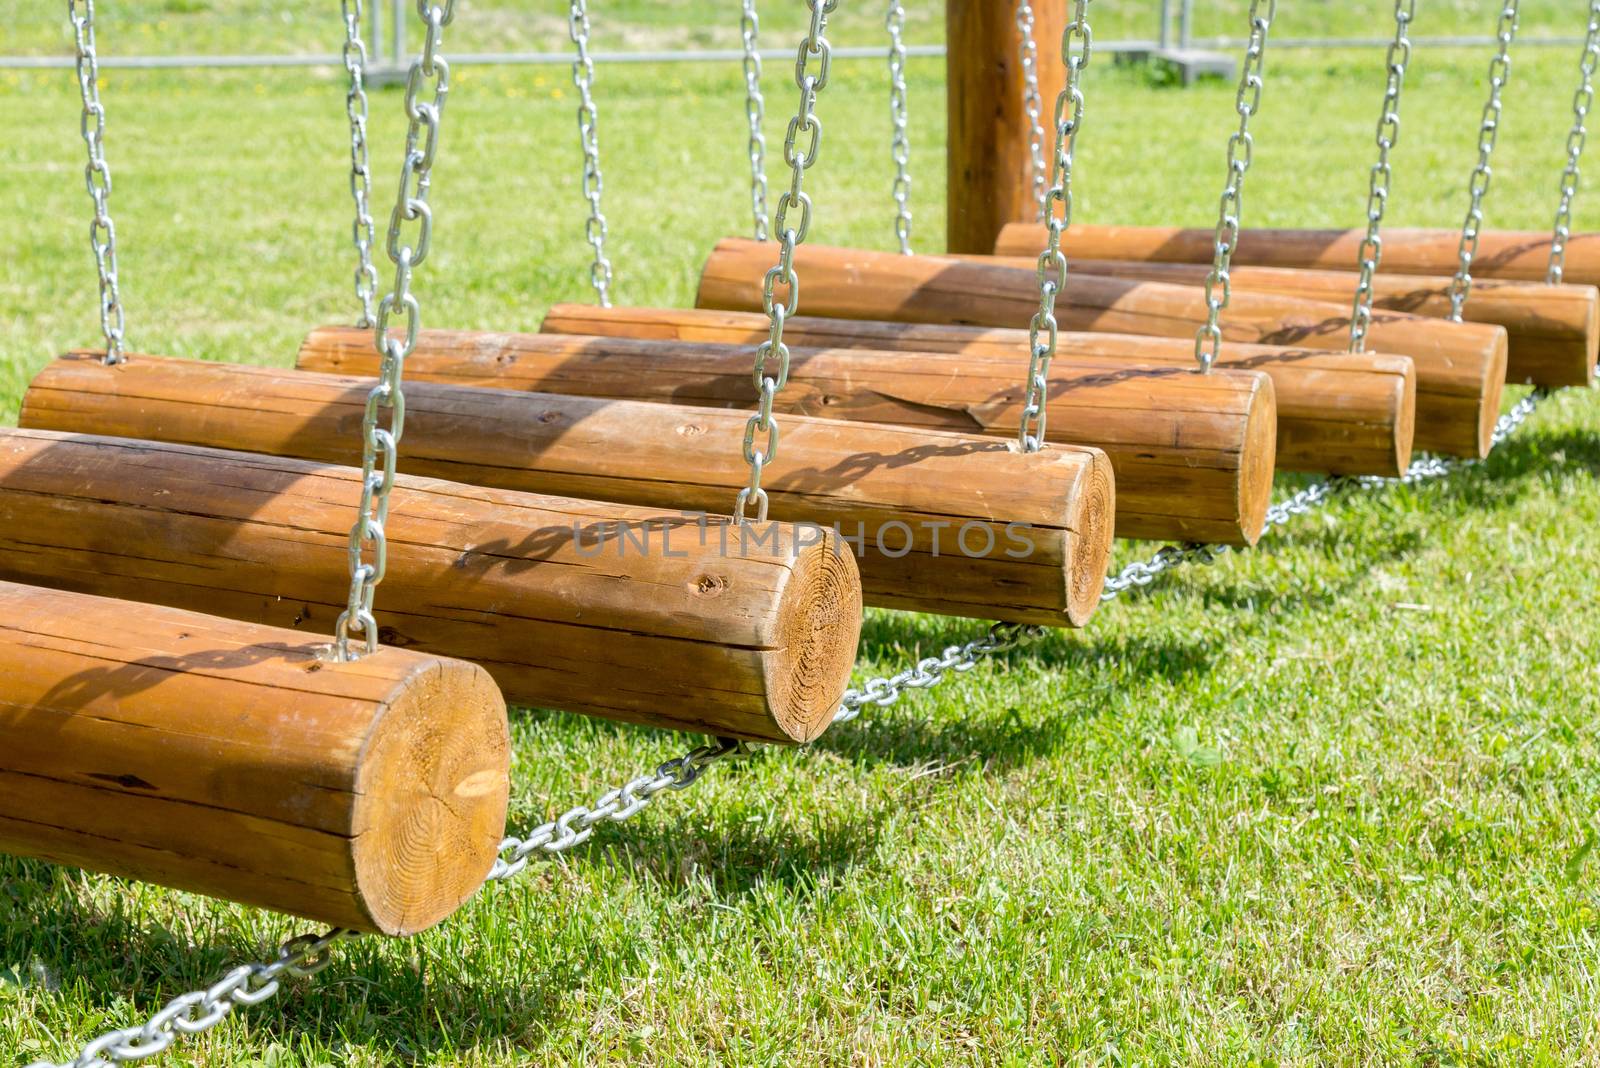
point(1192, 454)
point(548, 594)
point(1553, 332)
point(1337, 413)
point(1460, 366)
point(233, 760)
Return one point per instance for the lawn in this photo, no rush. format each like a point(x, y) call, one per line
point(1329, 802)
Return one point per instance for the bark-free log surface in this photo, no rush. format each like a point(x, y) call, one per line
point(1522, 255)
point(1049, 515)
point(1193, 454)
point(1337, 413)
point(1553, 331)
point(232, 760)
point(754, 647)
point(1464, 362)
point(989, 180)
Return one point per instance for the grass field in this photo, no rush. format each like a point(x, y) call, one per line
point(1329, 802)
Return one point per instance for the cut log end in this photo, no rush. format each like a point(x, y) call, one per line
point(433, 791)
point(1493, 389)
point(1405, 413)
point(817, 627)
point(1091, 516)
point(1258, 460)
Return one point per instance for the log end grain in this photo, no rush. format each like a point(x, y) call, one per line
point(1091, 515)
point(814, 636)
point(1258, 460)
point(431, 800)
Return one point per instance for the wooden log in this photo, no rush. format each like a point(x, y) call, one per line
point(1518, 255)
point(1193, 454)
point(537, 589)
point(987, 156)
point(1553, 331)
point(233, 760)
point(1464, 362)
point(1050, 514)
point(1337, 413)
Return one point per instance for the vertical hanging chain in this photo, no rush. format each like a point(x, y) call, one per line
point(97, 176)
point(1033, 106)
point(755, 111)
point(1052, 268)
point(900, 120)
point(772, 356)
point(589, 135)
point(355, 106)
point(1478, 185)
point(1582, 101)
point(381, 445)
point(1371, 253)
point(1241, 146)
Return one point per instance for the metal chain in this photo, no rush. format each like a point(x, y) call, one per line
point(1371, 253)
point(355, 106)
point(1033, 106)
point(199, 1011)
point(306, 955)
point(1478, 185)
point(1582, 101)
point(755, 111)
point(1052, 264)
point(589, 135)
point(381, 445)
point(899, 119)
point(1241, 146)
point(814, 49)
point(97, 176)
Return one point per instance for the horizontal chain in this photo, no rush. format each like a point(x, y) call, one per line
point(306, 955)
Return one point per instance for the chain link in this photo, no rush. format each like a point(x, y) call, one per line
point(97, 176)
point(772, 356)
point(589, 136)
point(899, 119)
point(1241, 146)
point(306, 955)
point(1052, 264)
point(1033, 107)
point(755, 110)
point(355, 106)
point(199, 1011)
point(1478, 184)
point(380, 444)
point(1371, 253)
point(1582, 101)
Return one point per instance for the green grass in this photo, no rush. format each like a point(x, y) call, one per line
point(1272, 812)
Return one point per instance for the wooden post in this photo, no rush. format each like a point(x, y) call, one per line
point(887, 488)
point(233, 760)
point(568, 604)
point(1337, 413)
point(1553, 331)
point(1192, 454)
point(857, 284)
point(988, 155)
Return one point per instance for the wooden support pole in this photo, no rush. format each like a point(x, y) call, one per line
point(1464, 362)
point(902, 497)
point(1518, 255)
point(233, 760)
point(1193, 456)
point(1553, 331)
point(554, 597)
point(988, 153)
point(1337, 414)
